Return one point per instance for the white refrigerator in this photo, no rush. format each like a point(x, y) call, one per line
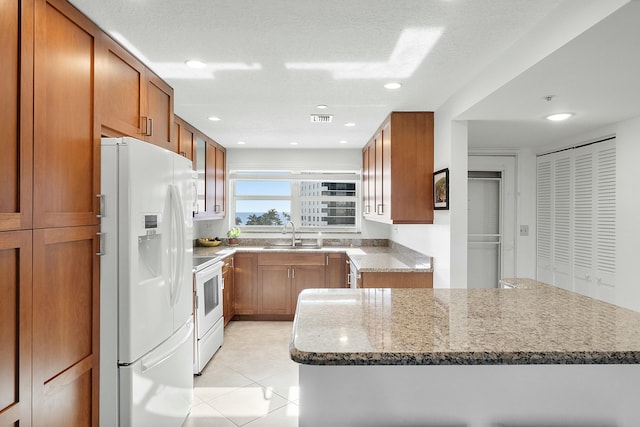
point(146, 322)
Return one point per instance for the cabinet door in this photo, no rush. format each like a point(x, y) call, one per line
point(66, 286)
point(16, 114)
point(220, 197)
point(121, 78)
point(215, 164)
point(336, 271)
point(305, 277)
point(274, 289)
point(210, 179)
point(158, 121)
point(366, 201)
point(246, 283)
point(386, 206)
point(66, 131)
point(15, 328)
point(228, 291)
point(378, 204)
point(185, 138)
point(397, 280)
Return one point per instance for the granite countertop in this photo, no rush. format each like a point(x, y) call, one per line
point(366, 258)
point(532, 324)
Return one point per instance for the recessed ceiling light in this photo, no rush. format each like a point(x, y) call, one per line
point(350, 124)
point(214, 119)
point(393, 85)
point(241, 143)
point(558, 117)
point(195, 63)
point(343, 142)
point(293, 143)
point(321, 107)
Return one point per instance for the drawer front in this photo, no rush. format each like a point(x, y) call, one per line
point(287, 258)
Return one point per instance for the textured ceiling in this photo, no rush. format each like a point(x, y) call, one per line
point(269, 63)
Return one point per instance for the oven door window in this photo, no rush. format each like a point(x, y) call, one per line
point(211, 294)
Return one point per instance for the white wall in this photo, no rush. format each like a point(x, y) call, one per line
point(446, 239)
point(288, 159)
point(628, 213)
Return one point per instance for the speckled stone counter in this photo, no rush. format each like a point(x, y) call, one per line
point(366, 258)
point(531, 324)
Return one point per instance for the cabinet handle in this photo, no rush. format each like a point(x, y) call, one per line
point(326, 260)
point(147, 126)
point(101, 244)
point(293, 273)
point(101, 208)
point(380, 209)
point(288, 273)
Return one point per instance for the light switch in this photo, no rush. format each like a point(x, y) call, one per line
point(524, 230)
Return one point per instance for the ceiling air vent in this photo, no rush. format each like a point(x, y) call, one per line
point(321, 118)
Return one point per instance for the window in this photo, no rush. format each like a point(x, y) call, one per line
point(263, 201)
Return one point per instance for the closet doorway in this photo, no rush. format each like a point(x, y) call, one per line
point(491, 220)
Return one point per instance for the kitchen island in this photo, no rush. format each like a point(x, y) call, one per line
point(534, 355)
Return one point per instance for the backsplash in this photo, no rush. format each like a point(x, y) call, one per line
point(326, 242)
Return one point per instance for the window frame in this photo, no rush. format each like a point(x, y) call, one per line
point(295, 178)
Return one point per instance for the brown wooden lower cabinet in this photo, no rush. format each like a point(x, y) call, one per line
point(267, 284)
point(305, 277)
point(229, 289)
point(245, 300)
point(15, 328)
point(336, 271)
point(274, 289)
point(66, 302)
point(396, 280)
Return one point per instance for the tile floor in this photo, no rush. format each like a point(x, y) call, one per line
point(251, 381)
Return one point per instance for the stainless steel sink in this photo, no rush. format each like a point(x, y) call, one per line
point(299, 246)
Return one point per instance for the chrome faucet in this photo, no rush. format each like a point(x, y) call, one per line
point(293, 232)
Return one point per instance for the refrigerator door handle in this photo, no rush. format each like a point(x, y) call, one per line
point(178, 218)
point(154, 360)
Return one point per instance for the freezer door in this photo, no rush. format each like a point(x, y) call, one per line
point(183, 204)
point(157, 390)
point(145, 317)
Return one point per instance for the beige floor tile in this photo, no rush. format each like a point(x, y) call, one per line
point(285, 385)
point(251, 379)
point(203, 415)
point(287, 416)
point(248, 403)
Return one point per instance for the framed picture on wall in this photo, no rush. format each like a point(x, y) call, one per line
point(441, 189)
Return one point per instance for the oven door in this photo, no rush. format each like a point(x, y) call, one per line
point(208, 298)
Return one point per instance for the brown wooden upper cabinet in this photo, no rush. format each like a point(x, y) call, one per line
point(66, 137)
point(211, 163)
point(16, 114)
point(135, 101)
point(397, 166)
point(184, 136)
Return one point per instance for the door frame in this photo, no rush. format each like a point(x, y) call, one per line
point(507, 164)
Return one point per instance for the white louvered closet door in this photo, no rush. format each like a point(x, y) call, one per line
point(544, 223)
point(605, 230)
point(562, 236)
point(576, 219)
point(583, 221)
